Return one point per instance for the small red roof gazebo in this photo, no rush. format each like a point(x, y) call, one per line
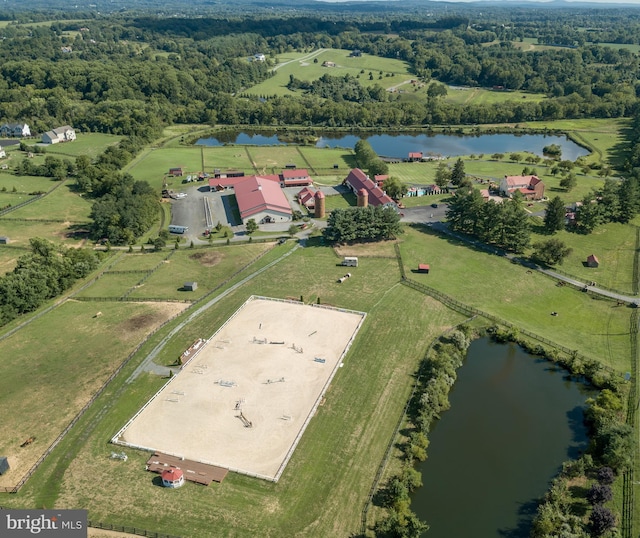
point(172, 478)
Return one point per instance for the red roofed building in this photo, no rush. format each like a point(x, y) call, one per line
point(306, 197)
point(295, 177)
point(380, 179)
point(172, 478)
point(262, 199)
point(415, 156)
point(357, 180)
point(531, 187)
point(592, 261)
point(229, 182)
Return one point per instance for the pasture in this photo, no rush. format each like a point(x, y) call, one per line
point(63, 204)
point(24, 184)
point(385, 72)
point(350, 430)
point(597, 328)
point(89, 144)
point(227, 158)
point(322, 160)
point(485, 96)
point(613, 244)
point(9, 257)
point(153, 165)
point(20, 231)
point(63, 358)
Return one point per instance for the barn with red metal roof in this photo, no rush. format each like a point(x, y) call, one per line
point(262, 199)
point(357, 180)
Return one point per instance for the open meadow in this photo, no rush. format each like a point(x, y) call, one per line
point(597, 328)
point(89, 144)
point(369, 69)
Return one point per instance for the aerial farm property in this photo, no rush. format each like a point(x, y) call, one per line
point(243, 401)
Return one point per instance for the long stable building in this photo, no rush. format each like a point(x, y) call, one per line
point(262, 200)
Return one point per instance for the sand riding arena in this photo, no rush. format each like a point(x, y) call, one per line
point(243, 401)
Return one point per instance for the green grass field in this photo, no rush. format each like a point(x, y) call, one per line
point(62, 204)
point(346, 440)
point(153, 165)
point(597, 328)
point(208, 267)
point(89, 144)
point(483, 96)
point(614, 244)
point(8, 258)
point(25, 184)
point(19, 232)
point(303, 67)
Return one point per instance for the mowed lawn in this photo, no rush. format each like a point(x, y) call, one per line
point(273, 159)
point(613, 244)
point(89, 144)
point(303, 67)
point(340, 450)
point(51, 367)
point(153, 165)
point(597, 328)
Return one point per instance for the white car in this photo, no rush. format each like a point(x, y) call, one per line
point(181, 195)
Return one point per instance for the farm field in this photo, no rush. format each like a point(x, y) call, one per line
point(323, 160)
point(227, 158)
point(64, 357)
point(304, 67)
point(352, 427)
point(25, 184)
point(597, 328)
point(62, 204)
point(208, 267)
point(153, 165)
point(20, 231)
point(365, 400)
point(613, 244)
point(9, 257)
point(485, 96)
point(89, 144)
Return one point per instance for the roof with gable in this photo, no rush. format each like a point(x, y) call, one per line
point(513, 182)
point(593, 258)
point(256, 194)
point(358, 180)
point(306, 196)
point(225, 182)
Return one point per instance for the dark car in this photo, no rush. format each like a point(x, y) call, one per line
point(434, 205)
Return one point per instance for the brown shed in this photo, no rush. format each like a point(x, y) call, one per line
point(592, 261)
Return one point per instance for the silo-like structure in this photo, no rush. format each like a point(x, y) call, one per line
point(319, 209)
point(363, 198)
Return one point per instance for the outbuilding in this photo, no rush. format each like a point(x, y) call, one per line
point(4, 465)
point(423, 268)
point(592, 261)
point(190, 286)
point(172, 478)
point(4, 240)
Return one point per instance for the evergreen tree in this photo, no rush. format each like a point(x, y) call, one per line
point(629, 199)
point(443, 175)
point(554, 218)
point(457, 174)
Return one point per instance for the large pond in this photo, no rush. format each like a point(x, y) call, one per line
point(513, 420)
point(400, 145)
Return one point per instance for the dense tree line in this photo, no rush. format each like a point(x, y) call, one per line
point(369, 160)
point(362, 224)
point(127, 75)
point(505, 225)
point(44, 273)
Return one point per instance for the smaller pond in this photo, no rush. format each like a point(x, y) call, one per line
point(513, 420)
point(400, 145)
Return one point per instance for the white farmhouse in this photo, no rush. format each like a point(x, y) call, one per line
point(60, 134)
